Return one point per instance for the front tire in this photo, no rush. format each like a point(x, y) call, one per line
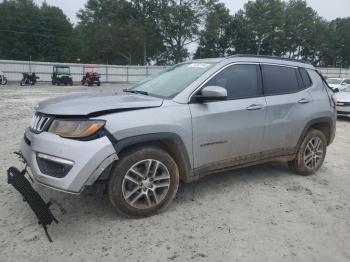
point(311, 153)
point(143, 182)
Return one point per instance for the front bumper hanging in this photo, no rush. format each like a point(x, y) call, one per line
point(41, 209)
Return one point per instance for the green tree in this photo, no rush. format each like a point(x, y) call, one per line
point(341, 41)
point(179, 22)
point(300, 29)
point(215, 38)
point(119, 31)
point(42, 33)
point(266, 19)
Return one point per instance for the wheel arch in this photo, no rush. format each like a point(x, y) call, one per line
point(170, 142)
point(324, 124)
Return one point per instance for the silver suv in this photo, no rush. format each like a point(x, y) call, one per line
point(194, 119)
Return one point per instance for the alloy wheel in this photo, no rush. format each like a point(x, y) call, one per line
point(313, 153)
point(146, 184)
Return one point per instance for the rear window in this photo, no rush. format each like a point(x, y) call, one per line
point(305, 77)
point(280, 80)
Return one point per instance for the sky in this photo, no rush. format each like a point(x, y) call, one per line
point(329, 9)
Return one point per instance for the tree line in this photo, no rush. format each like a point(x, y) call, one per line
point(163, 31)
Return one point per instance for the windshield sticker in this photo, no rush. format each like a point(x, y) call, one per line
point(199, 65)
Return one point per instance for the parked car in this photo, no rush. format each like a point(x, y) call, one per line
point(194, 119)
point(91, 76)
point(338, 83)
point(3, 79)
point(29, 79)
point(343, 102)
point(61, 75)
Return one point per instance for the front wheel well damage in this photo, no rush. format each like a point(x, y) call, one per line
point(169, 143)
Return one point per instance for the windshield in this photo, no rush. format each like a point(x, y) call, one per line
point(170, 82)
point(333, 81)
point(62, 70)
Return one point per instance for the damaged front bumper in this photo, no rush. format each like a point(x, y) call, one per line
point(66, 164)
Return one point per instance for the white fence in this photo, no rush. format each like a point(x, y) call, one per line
point(335, 72)
point(109, 73)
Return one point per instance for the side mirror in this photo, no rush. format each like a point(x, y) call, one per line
point(211, 93)
point(336, 90)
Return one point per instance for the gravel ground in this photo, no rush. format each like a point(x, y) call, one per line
point(262, 213)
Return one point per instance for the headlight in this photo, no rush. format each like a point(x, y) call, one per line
point(75, 128)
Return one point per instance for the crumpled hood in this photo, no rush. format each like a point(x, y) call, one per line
point(96, 103)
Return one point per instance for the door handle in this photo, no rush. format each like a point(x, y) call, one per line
point(303, 101)
point(254, 107)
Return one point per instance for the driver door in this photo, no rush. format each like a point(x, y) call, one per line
point(230, 132)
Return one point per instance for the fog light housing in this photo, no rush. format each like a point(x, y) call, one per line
point(53, 166)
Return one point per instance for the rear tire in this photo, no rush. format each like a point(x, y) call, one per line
point(311, 154)
point(143, 182)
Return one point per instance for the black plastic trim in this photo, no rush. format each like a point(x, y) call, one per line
point(320, 120)
point(26, 140)
point(154, 137)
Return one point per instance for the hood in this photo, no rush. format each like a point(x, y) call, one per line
point(96, 103)
point(343, 97)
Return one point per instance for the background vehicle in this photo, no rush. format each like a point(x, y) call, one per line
point(194, 119)
point(3, 79)
point(61, 75)
point(343, 102)
point(91, 76)
point(340, 83)
point(29, 79)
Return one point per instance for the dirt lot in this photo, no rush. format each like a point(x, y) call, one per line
point(263, 213)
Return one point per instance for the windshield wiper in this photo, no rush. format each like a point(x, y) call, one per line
point(136, 92)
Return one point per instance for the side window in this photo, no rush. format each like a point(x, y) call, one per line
point(305, 77)
point(240, 81)
point(280, 80)
point(347, 81)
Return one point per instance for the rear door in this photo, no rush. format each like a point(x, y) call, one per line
point(225, 132)
point(288, 103)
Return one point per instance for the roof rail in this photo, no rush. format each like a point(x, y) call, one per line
point(270, 57)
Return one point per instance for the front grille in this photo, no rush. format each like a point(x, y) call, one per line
point(39, 123)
